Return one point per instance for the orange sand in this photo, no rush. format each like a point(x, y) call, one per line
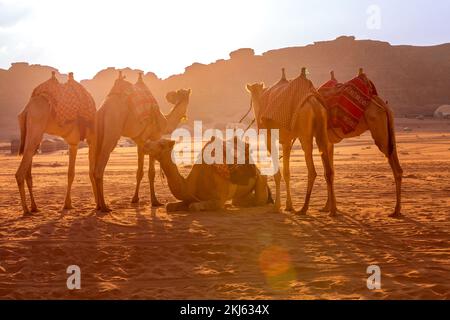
point(139, 252)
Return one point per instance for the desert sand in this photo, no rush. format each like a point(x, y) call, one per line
point(144, 253)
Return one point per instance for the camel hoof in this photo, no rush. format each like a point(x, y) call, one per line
point(135, 200)
point(325, 209)
point(157, 204)
point(303, 212)
point(396, 215)
point(334, 214)
point(105, 210)
point(275, 209)
point(289, 208)
point(35, 210)
point(27, 214)
point(68, 207)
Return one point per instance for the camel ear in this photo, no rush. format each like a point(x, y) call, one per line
point(249, 87)
point(171, 144)
point(190, 91)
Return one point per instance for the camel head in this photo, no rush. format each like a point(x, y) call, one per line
point(159, 149)
point(256, 89)
point(176, 97)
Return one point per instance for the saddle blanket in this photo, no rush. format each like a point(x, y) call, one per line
point(70, 101)
point(282, 102)
point(346, 103)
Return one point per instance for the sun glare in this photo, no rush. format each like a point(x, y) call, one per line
point(159, 36)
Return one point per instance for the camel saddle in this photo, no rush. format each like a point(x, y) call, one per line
point(70, 102)
point(141, 102)
point(282, 102)
point(146, 106)
point(346, 103)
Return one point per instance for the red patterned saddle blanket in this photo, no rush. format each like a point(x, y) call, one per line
point(70, 101)
point(346, 103)
point(282, 102)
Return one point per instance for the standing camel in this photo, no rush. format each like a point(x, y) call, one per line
point(378, 118)
point(121, 115)
point(40, 116)
point(166, 126)
point(310, 121)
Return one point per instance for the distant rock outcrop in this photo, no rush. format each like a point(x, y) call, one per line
point(415, 80)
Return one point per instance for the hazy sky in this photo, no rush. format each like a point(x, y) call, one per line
point(165, 36)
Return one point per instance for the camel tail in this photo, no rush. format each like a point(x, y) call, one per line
point(23, 131)
point(391, 129)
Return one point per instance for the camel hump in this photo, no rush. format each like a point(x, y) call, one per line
point(283, 74)
point(332, 75)
point(304, 72)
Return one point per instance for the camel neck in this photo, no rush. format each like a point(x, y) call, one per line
point(177, 183)
point(256, 104)
point(175, 115)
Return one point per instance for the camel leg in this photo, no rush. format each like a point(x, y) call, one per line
point(139, 174)
point(73, 149)
point(327, 207)
point(29, 180)
point(177, 206)
point(277, 175)
point(287, 148)
point(398, 175)
point(329, 177)
point(211, 205)
point(102, 161)
point(34, 136)
point(312, 174)
point(92, 155)
point(381, 127)
point(151, 179)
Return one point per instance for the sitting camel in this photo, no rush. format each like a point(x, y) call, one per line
point(310, 121)
point(48, 112)
point(125, 113)
point(378, 118)
point(206, 188)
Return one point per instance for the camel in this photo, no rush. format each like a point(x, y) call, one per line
point(378, 119)
point(205, 189)
point(36, 119)
point(172, 120)
point(118, 117)
point(311, 122)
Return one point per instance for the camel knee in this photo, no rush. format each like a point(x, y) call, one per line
point(151, 174)
point(312, 175)
point(20, 178)
point(329, 175)
point(71, 176)
point(140, 174)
